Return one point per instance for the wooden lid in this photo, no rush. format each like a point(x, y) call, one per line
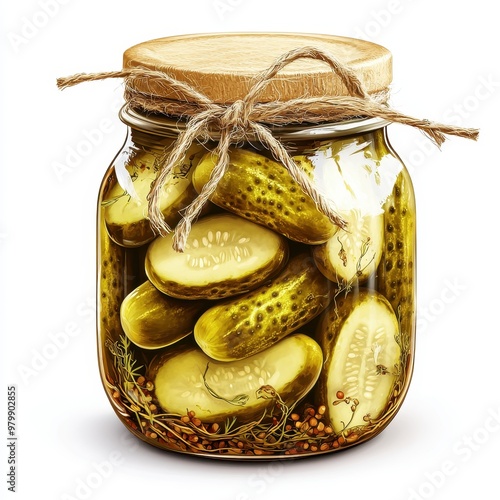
point(223, 65)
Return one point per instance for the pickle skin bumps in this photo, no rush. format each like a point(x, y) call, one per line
point(250, 323)
point(261, 190)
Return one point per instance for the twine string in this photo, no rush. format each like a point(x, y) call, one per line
point(165, 164)
point(348, 77)
point(191, 212)
point(247, 119)
point(235, 126)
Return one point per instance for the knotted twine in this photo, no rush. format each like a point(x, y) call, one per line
point(247, 119)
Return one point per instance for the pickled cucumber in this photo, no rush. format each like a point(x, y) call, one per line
point(152, 320)
point(246, 325)
point(111, 289)
point(225, 255)
point(352, 253)
point(188, 380)
point(126, 206)
point(358, 336)
point(111, 286)
point(396, 271)
point(262, 190)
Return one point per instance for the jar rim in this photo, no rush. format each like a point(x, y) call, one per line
point(166, 126)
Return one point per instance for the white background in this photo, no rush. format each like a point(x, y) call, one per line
point(445, 441)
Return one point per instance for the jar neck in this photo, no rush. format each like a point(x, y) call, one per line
point(148, 140)
point(163, 128)
point(159, 144)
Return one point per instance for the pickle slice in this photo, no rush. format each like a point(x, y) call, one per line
point(188, 380)
point(126, 205)
point(245, 325)
point(358, 335)
point(354, 253)
point(152, 320)
point(225, 255)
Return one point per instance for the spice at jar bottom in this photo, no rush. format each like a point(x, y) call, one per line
point(257, 246)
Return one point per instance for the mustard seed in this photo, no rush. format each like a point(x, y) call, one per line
point(305, 427)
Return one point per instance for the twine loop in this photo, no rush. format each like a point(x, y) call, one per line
point(236, 119)
point(246, 119)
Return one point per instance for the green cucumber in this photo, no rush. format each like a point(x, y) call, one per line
point(396, 272)
point(261, 190)
point(243, 326)
point(152, 320)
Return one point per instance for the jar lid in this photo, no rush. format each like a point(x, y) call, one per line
point(223, 66)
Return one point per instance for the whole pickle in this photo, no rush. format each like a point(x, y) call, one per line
point(112, 274)
point(152, 320)
point(396, 271)
point(262, 190)
point(248, 324)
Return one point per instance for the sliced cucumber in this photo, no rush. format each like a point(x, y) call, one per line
point(152, 320)
point(225, 255)
point(126, 204)
point(352, 253)
point(189, 380)
point(358, 335)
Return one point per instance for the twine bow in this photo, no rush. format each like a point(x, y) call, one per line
point(247, 119)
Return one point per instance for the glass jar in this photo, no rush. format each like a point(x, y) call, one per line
point(275, 333)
